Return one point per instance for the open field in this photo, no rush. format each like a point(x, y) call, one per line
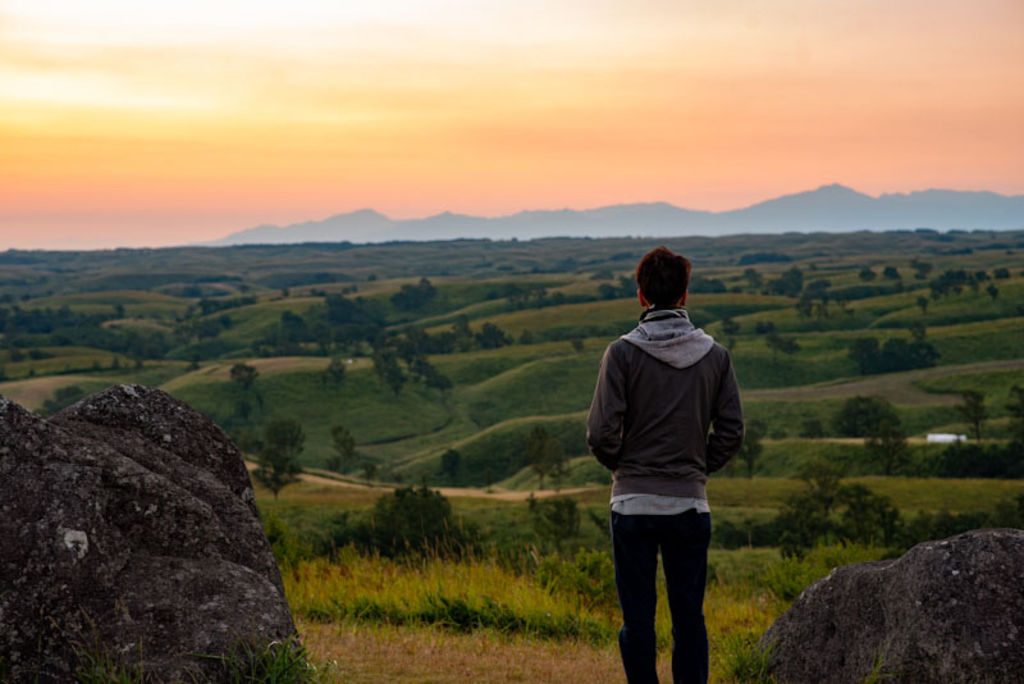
point(457, 354)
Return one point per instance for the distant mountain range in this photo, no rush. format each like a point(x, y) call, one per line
point(830, 208)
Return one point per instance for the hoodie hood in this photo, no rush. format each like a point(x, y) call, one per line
point(669, 336)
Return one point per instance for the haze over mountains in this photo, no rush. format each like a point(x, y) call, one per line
point(830, 208)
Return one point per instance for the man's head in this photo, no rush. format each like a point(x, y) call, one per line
point(662, 278)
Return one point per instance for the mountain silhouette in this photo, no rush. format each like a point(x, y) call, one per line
point(830, 208)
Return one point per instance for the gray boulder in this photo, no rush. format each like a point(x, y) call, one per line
point(128, 530)
point(946, 611)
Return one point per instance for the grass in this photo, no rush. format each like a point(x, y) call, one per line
point(136, 303)
point(472, 601)
point(542, 387)
point(370, 411)
point(361, 653)
point(32, 392)
point(60, 360)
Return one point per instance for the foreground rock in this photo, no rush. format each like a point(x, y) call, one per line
point(946, 611)
point(128, 528)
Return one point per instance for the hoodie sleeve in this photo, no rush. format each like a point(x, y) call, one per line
point(727, 418)
point(604, 422)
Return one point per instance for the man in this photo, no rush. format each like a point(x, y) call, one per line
point(660, 388)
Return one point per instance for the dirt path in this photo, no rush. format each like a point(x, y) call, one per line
point(498, 495)
point(899, 388)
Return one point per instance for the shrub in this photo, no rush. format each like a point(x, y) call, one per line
point(745, 661)
point(589, 578)
point(788, 577)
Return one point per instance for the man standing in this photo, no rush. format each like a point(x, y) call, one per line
point(660, 389)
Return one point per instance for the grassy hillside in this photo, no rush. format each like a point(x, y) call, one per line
point(556, 304)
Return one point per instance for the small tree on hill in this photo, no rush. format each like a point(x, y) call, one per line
point(369, 470)
point(887, 445)
point(334, 374)
point(279, 459)
point(545, 455)
point(386, 366)
point(450, 461)
point(344, 445)
point(973, 410)
point(778, 343)
point(752, 447)
point(554, 520)
point(244, 375)
point(862, 416)
point(491, 337)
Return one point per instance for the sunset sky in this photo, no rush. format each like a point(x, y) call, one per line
point(146, 123)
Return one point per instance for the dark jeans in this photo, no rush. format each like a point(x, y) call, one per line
point(683, 541)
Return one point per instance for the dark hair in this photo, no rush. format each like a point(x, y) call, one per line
point(663, 276)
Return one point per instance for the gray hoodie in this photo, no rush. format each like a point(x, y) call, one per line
point(661, 388)
point(669, 336)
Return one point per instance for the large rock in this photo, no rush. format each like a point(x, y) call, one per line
point(946, 611)
point(128, 528)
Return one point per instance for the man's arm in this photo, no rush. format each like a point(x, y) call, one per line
point(604, 423)
point(727, 417)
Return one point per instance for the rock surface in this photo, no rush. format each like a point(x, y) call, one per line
point(128, 526)
point(945, 611)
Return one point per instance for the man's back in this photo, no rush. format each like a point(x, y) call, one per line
point(650, 416)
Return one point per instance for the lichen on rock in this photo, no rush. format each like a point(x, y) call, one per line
point(127, 523)
point(946, 611)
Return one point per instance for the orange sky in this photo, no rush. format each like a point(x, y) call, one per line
point(135, 123)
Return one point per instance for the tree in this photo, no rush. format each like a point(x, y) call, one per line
point(973, 410)
point(544, 454)
point(788, 284)
point(866, 274)
point(890, 273)
point(278, 461)
point(244, 374)
point(450, 461)
point(804, 518)
point(887, 445)
point(922, 302)
point(385, 365)
point(992, 291)
point(491, 337)
point(918, 331)
point(922, 268)
point(411, 297)
point(369, 470)
point(554, 520)
point(895, 355)
point(777, 343)
point(823, 479)
point(753, 278)
point(869, 518)
point(334, 374)
point(804, 306)
point(862, 416)
point(752, 447)
point(413, 520)
point(344, 445)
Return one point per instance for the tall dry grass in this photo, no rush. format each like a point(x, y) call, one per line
point(476, 619)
